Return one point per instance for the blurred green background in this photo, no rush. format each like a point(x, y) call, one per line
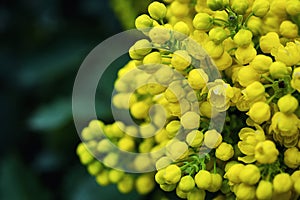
point(43, 43)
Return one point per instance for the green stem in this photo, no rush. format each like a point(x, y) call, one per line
point(270, 99)
point(215, 166)
point(267, 78)
point(247, 19)
point(268, 86)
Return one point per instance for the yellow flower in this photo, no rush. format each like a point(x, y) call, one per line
point(249, 139)
point(243, 38)
point(216, 182)
point(247, 75)
point(278, 70)
point(293, 7)
point(233, 173)
point(181, 60)
point(212, 139)
point(254, 91)
point(224, 151)
point(296, 79)
point(172, 174)
point(269, 41)
point(261, 63)
point(240, 6)
point(291, 157)
point(203, 179)
point(197, 78)
point(245, 191)
point(157, 10)
point(285, 124)
point(245, 55)
point(288, 104)
point(266, 152)
point(264, 190)
point(223, 62)
point(254, 24)
point(213, 49)
point(260, 8)
point(143, 22)
point(219, 95)
point(144, 183)
point(190, 120)
point(203, 21)
point(194, 138)
point(288, 54)
point(186, 183)
point(260, 112)
point(250, 174)
point(217, 35)
point(288, 29)
point(282, 183)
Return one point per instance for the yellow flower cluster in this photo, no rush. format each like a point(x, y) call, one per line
point(177, 98)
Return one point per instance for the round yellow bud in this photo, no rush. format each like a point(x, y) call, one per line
point(190, 120)
point(168, 187)
point(288, 29)
point(194, 138)
point(240, 6)
point(293, 7)
point(216, 182)
point(126, 184)
point(203, 21)
point(163, 162)
point(215, 4)
point(245, 55)
point(296, 79)
point(264, 190)
point(247, 75)
point(266, 152)
point(212, 139)
point(172, 174)
point(245, 191)
point(282, 183)
point(173, 128)
point(159, 34)
point(254, 24)
point(217, 35)
point(181, 30)
point(291, 157)
point(139, 110)
point(213, 49)
point(260, 112)
point(159, 177)
point(186, 183)
point(102, 178)
point(261, 63)
point(94, 168)
point(157, 10)
point(250, 174)
point(115, 176)
point(181, 60)
point(278, 70)
point(233, 173)
point(243, 38)
point(224, 151)
point(196, 194)
point(143, 22)
point(254, 91)
point(260, 7)
point(269, 41)
point(144, 184)
point(203, 179)
point(288, 104)
point(197, 78)
point(179, 10)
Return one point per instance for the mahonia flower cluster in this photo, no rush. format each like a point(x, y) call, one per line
point(178, 102)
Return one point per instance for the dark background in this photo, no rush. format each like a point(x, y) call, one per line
point(42, 44)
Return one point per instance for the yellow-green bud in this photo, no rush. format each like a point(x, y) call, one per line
point(245, 55)
point(247, 75)
point(245, 191)
point(126, 185)
point(157, 10)
point(168, 187)
point(94, 168)
point(254, 91)
point(216, 182)
point(291, 157)
point(115, 175)
point(181, 60)
point(282, 183)
point(173, 128)
point(203, 21)
point(181, 30)
point(143, 21)
point(215, 4)
point(224, 151)
point(213, 49)
point(233, 173)
point(260, 7)
point(269, 41)
point(186, 183)
point(139, 110)
point(217, 35)
point(240, 6)
point(278, 70)
point(288, 29)
point(287, 104)
point(197, 78)
point(102, 178)
point(254, 24)
point(196, 194)
point(144, 184)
